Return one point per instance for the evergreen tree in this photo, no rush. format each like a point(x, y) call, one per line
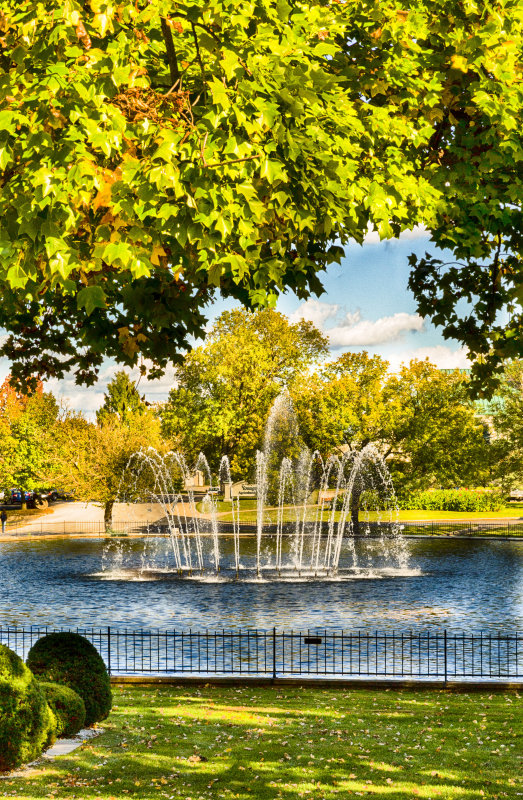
point(121, 400)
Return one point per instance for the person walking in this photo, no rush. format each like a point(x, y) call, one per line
point(3, 519)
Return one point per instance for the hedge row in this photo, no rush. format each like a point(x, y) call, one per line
point(75, 691)
point(453, 500)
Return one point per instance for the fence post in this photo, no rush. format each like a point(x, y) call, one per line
point(109, 649)
point(445, 652)
point(274, 654)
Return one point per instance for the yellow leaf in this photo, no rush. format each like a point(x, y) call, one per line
point(102, 23)
point(459, 62)
point(157, 252)
point(103, 198)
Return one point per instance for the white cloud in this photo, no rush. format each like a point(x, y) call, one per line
point(353, 331)
point(441, 355)
point(357, 332)
point(88, 399)
point(315, 311)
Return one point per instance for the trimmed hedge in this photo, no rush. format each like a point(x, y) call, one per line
point(71, 660)
point(67, 706)
point(27, 724)
point(454, 500)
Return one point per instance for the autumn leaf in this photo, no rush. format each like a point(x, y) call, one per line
point(157, 253)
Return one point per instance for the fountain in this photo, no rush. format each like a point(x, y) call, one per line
point(305, 527)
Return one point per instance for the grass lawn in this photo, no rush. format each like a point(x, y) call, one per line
point(249, 515)
point(292, 743)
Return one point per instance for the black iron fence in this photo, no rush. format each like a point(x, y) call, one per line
point(474, 528)
point(323, 653)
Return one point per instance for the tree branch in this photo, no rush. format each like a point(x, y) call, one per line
point(171, 52)
point(198, 54)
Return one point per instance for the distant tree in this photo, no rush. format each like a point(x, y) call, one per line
point(421, 419)
point(27, 424)
point(12, 400)
point(342, 404)
point(121, 399)
point(434, 435)
point(507, 433)
point(90, 459)
point(224, 388)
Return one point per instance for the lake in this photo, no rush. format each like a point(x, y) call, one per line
point(460, 585)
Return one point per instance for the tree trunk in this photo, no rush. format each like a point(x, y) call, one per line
point(355, 510)
point(108, 515)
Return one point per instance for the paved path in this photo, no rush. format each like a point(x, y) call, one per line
point(68, 516)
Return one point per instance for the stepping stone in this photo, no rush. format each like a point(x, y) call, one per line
point(64, 746)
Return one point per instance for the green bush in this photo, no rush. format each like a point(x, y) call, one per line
point(67, 706)
point(454, 500)
point(71, 660)
point(27, 724)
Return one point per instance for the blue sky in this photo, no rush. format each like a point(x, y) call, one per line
point(366, 306)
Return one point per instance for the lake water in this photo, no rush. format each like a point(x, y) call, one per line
point(455, 584)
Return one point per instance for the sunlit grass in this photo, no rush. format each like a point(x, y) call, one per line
point(248, 515)
point(292, 743)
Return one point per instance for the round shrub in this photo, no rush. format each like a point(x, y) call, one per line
point(67, 706)
point(27, 724)
point(71, 660)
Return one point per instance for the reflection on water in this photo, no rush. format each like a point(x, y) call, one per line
point(460, 585)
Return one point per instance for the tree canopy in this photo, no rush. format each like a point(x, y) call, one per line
point(225, 388)
point(421, 419)
point(507, 425)
point(89, 460)
point(27, 426)
point(152, 154)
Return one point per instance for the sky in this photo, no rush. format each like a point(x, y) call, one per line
point(366, 306)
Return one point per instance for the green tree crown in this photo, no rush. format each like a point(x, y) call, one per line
point(153, 154)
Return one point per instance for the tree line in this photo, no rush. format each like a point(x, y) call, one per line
point(422, 419)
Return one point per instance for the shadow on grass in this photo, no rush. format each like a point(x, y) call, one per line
point(268, 743)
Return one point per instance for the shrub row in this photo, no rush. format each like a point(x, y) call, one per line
point(74, 691)
point(27, 724)
point(453, 500)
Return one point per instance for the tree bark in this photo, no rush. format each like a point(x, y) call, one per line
point(355, 510)
point(108, 515)
point(171, 52)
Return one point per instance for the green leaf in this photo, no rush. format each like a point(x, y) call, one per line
point(215, 274)
point(272, 171)
point(90, 298)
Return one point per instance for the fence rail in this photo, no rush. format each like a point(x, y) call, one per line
point(323, 653)
point(475, 528)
